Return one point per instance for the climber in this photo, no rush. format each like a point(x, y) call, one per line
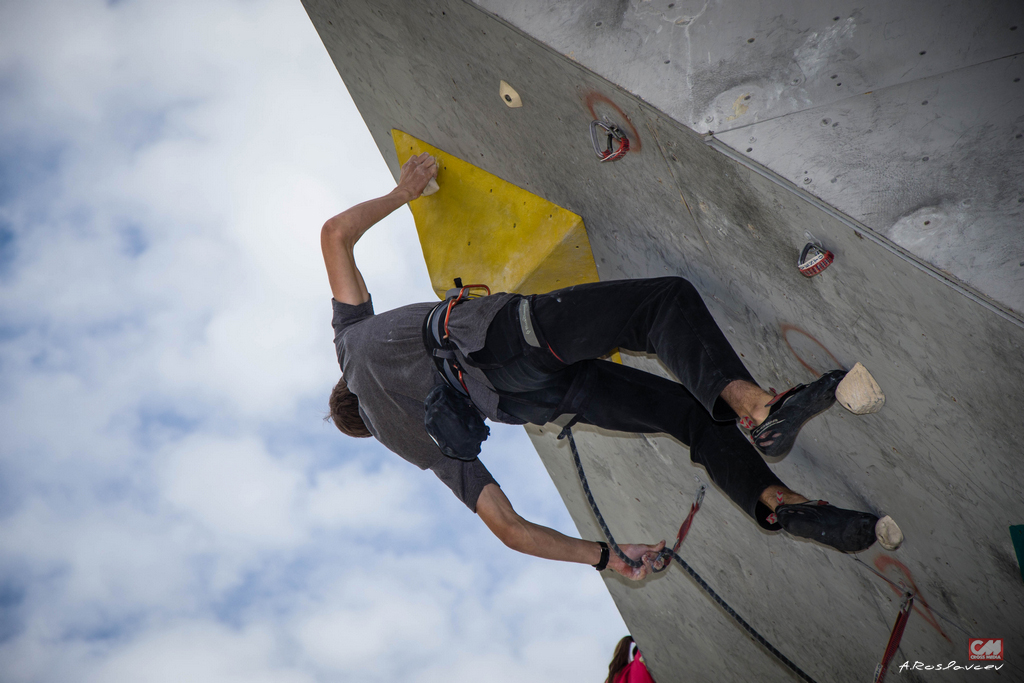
point(533, 360)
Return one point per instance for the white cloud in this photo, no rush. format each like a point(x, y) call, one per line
point(233, 489)
point(377, 633)
point(200, 652)
point(172, 507)
point(349, 497)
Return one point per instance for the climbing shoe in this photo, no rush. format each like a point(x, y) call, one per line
point(846, 530)
point(790, 411)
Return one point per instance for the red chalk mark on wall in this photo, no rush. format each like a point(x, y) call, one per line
point(897, 571)
point(599, 105)
point(787, 329)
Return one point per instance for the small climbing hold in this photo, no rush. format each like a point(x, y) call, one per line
point(888, 534)
point(814, 259)
point(509, 96)
point(431, 187)
point(859, 393)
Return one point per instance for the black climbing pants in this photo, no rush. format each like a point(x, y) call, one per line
point(664, 316)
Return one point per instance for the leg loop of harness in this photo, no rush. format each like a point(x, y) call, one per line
point(436, 336)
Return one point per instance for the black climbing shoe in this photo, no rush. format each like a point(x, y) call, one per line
point(845, 530)
point(791, 409)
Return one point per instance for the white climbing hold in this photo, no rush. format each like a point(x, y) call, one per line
point(432, 185)
point(888, 533)
point(859, 393)
point(509, 96)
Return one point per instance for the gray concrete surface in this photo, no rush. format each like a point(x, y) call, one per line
point(942, 457)
point(925, 117)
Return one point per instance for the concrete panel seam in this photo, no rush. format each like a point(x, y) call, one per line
point(676, 183)
point(901, 84)
point(870, 234)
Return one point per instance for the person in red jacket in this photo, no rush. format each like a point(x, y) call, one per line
point(625, 670)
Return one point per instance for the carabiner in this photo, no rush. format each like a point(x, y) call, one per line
point(614, 133)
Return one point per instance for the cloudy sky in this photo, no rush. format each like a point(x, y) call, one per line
point(172, 507)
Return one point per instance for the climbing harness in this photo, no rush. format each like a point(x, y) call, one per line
point(894, 637)
point(449, 415)
point(814, 259)
point(614, 134)
point(665, 556)
point(469, 294)
point(436, 335)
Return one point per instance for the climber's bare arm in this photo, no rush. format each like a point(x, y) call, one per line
point(340, 234)
point(540, 541)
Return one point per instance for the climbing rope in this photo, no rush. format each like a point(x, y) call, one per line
point(666, 555)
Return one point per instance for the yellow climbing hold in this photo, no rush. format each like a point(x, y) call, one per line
point(485, 230)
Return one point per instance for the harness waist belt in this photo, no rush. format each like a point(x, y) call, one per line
point(441, 350)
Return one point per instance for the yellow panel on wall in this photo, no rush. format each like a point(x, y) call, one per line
point(485, 230)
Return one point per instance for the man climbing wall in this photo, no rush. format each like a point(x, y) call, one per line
point(517, 359)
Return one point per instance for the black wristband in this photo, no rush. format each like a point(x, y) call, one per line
point(603, 562)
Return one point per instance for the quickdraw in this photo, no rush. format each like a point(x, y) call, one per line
point(614, 133)
point(684, 528)
point(894, 637)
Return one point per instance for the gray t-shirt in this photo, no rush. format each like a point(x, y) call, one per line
point(386, 366)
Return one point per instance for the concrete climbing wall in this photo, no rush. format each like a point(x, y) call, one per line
point(906, 116)
point(943, 456)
